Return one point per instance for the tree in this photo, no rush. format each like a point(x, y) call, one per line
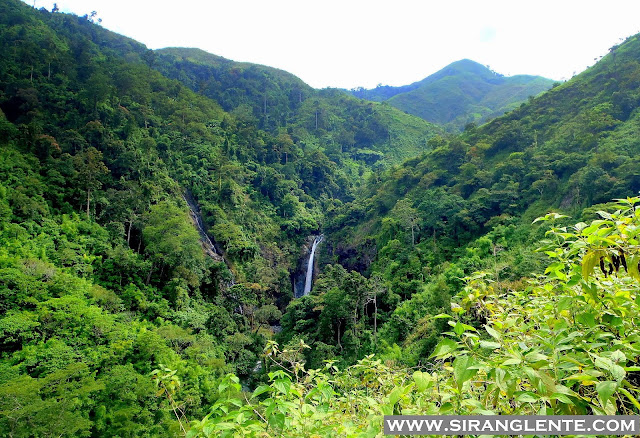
point(172, 240)
point(90, 170)
point(408, 216)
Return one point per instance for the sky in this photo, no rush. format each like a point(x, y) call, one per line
point(359, 43)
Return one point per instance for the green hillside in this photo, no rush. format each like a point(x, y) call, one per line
point(267, 92)
point(154, 215)
point(469, 203)
point(354, 133)
point(461, 93)
point(103, 278)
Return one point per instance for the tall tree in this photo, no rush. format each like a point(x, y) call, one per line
point(408, 216)
point(90, 170)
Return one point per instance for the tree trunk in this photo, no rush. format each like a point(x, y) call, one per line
point(375, 322)
point(88, 202)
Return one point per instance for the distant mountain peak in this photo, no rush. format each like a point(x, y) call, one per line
point(462, 92)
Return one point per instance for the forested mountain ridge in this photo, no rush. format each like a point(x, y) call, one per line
point(468, 203)
point(102, 275)
point(462, 92)
point(350, 131)
point(572, 146)
point(267, 90)
point(114, 322)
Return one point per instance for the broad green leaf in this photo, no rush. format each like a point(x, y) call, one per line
point(493, 332)
point(395, 396)
point(282, 385)
point(490, 345)
point(527, 397)
point(564, 303)
point(580, 226)
point(618, 372)
point(589, 262)
point(536, 357)
point(561, 397)
point(260, 390)
point(277, 421)
point(446, 407)
point(505, 381)
point(444, 348)
point(423, 380)
point(586, 378)
point(618, 356)
point(632, 265)
point(605, 390)
point(607, 364)
point(587, 319)
point(545, 379)
point(459, 327)
point(604, 214)
point(463, 369)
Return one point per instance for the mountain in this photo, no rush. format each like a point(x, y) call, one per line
point(468, 204)
point(114, 176)
point(344, 127)
point(463, 92)
point(153, 216)
point(267, 90)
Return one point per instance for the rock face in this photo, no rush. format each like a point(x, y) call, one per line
point(208, 246)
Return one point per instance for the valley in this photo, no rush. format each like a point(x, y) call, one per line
point(193, 246)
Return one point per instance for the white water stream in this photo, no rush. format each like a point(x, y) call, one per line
point(308, 280)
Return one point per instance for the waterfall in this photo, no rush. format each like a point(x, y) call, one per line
point(207, 243)
point(194, 211)
point(309, 278)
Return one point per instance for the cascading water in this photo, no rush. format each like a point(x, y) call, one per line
point(309, 278)
point(208, 245)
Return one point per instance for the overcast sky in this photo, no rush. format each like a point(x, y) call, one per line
point(351, 43)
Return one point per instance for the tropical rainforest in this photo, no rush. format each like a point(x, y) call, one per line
point(157, 209)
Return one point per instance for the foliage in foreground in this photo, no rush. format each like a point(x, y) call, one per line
point(565, 343)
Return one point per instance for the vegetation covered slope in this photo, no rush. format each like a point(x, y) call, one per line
point(355, 134)
point(461, 93)
point(267, 92)
point(113, 322)
point(103, 277)
point(415, 230)
point(103, 274)
point(563, 343)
